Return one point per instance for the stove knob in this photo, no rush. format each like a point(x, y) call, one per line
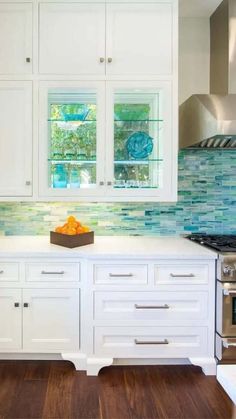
point(228, 270)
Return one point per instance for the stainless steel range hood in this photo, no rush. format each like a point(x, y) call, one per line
point(209, 121)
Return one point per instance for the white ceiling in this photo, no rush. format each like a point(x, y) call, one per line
point(198, 8)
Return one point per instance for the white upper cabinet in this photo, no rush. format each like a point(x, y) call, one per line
point(72, 38)
point(111, 39)
point(139, 38)
point(15, 38)
point(15, 138)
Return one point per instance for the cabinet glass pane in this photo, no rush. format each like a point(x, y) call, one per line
point(138, 153)
point(72, 139)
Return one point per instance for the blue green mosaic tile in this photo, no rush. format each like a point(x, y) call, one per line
point(206, 203)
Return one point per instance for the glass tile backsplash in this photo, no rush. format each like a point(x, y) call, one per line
point(206, 203)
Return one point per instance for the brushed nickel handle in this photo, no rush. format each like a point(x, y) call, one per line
point(140, 307)
point(228, 292)
point(28, 59)
point(120, 275)
point(26, 305)
point(1, 272)
point(227, 344)
point(52, 272)
point(101, 183)
point(28, 183)
point(101, 59)
point(16, 304)
point(109, 183)
point(182, 275)
point(151, 342)
point(109, 60)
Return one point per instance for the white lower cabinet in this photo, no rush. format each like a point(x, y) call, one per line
point(155, 342)
point(39, 320)
point(50, 319)
point(94, 311)
point(149, 307)
point(10, 319)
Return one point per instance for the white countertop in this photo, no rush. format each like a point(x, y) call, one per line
point(114, 246)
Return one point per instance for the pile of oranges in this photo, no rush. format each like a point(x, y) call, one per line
point(72, 227)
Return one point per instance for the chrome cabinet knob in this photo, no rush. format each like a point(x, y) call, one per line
point(101, 183)
point(109, 183)
point(109, 60)
point(102, 59)
point(28, 59)
point(28, 183)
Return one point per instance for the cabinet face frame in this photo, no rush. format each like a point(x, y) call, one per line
point(44, 189)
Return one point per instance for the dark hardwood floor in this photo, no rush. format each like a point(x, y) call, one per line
point(53, 389)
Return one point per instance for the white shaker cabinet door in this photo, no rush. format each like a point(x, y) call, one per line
point(15, 38)
point(51, 319)
point(72, 38)
point(10, 319)
point(139, 38)
point(15, 138)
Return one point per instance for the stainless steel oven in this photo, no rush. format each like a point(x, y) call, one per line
point(226, 309)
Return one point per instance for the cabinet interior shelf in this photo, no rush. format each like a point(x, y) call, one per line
point(94, 120)
point(121, 162)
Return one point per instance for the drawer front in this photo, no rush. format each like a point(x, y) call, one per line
point(52, 272)
point(167, 307)
point(9, 272)
point(156, 342)
point(118, 274)
point(181, 274)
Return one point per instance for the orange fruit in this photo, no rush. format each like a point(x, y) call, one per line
point(58, 229)
point(79, 230)
point(71, 231)
point(86, 229)
point(71, 219)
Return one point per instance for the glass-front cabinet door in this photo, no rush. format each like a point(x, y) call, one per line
point(140, 148)
point(72, 118)
point(110, 141)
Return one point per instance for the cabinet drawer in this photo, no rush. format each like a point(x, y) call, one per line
point(181, 273)
point(156, 342)
point(9, 272)
point(52, 271)
point(121, 274)
point(177, 308)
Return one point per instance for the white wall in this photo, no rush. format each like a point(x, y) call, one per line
point(194, 56)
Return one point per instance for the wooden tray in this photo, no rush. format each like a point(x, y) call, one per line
point(72, 241)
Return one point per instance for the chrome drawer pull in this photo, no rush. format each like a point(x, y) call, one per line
point(52, 273)
point(1, 272)
point(150, 342)
point(120, 275)
point(139, 307)
point(182, 276)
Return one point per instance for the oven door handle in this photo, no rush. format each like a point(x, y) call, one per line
point(228, 292)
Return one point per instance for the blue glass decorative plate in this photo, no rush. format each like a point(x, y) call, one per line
point(80, 114)
point(139, 145)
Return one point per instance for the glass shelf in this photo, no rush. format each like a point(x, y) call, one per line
point(137, 162)
point(72, 121)
point(138, 120)
point(79, 161)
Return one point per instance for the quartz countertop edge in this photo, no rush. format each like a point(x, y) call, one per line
point(130, 247)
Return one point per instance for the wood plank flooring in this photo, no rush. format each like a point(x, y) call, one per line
point(53, 389)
